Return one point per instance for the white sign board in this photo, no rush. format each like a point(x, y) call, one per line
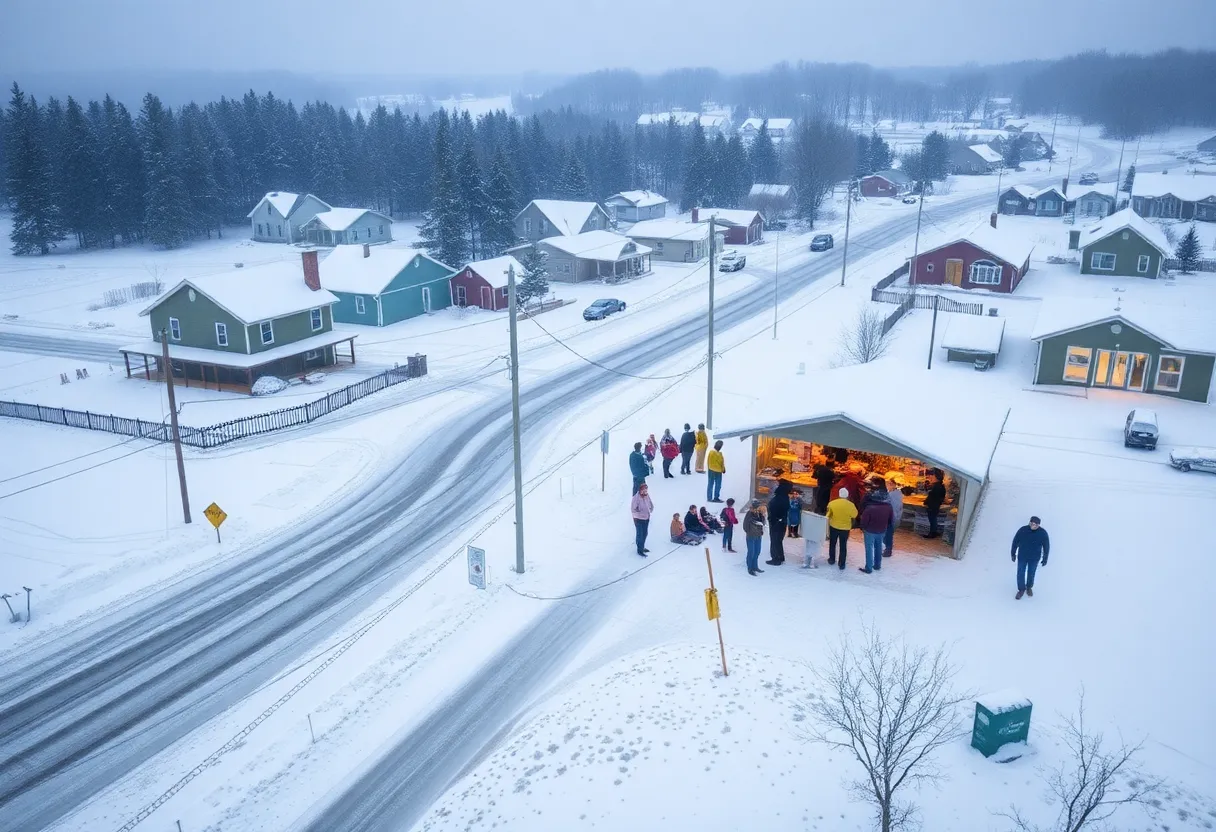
point(477, 567)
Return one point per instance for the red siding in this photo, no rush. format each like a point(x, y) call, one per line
point(473, 284)
point(931, 267)
point(877, 186)
point(740, 235)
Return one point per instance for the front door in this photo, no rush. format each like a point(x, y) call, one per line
point(487, 299)
point(1138, 373)
point(954, 272)
point(1119, 370)
point(426, 298)
point(1102, 368)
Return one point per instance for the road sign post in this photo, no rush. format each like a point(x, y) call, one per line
point(217, 517)
point(712, 610)
point(603, 458)
point(477, 566)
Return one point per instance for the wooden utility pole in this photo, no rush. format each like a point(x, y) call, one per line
point(1051, 149)
point(711, 596)
point(933, 331)
point(517, 461)
point(167, 369)
point(920, 207)
point(709, 400)
point(848, 214)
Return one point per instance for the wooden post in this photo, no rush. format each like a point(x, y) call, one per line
point(177, 439)
point(147, 371)
point(352, 351)
point(126, 359)
point(718, 620)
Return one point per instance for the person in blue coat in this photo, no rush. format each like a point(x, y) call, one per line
point(1031, 545)
point(638, 466)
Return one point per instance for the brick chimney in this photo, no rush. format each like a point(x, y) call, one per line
point(312, 272)
point(367, 250)
point(696, 215)
point(992, 219)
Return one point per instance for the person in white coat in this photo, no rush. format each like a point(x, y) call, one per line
point(897, 510)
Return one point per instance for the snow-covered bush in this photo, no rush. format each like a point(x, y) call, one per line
point(268, 385)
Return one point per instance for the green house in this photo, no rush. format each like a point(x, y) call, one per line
point(229, 329)
point(1163, 350)
point(1124, 244)
point(378, 286)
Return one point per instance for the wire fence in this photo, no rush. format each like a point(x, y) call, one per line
point(925, 301)
point(213, 436)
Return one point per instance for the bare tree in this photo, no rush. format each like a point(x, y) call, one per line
point(892, 707)
point(866, 339)
point(1086, 785)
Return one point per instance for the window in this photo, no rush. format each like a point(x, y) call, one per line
point(658, 246)
point(1101, 261)
point(267, 332)
point(314, 318)
point(1076, 364)
point(928, 267)
point(462, 295)
point(544, 226)
point(1012, 202)
point(221, 334)
point(280, 230)
point(267, 207)
point(360, 307)
point(594, 222)
point(259, 229)
point(1169, 373)
point(368, 230)
point(1047, 205)
point(382, 229)
point(312, 355)
point(527, 225)
point(985, 273)
point(1142, 264)
point(175, 329)
point(565, 268)
point(354, 235)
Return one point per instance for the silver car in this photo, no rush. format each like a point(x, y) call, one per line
point(1194, 459)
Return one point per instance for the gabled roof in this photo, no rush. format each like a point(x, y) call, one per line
point(683, 118)
point(566, 217)
point(1129, 219)
point(1207, 144)
point(773, 123)
point(494, 270)
point(259, 293)
point(761, 189)
point(973, 333)
point(986, 153)
point(669, 229)
point(895, 177)
point(282, 201)
point(596, 245)
point(1050, 189)
point(1174, 327)
point(1086, 190)
point(729, 216)
point(639, 199)
point(1187, 187)
point(340, 219)
point(1011, 248)
point(347, 270)
point(1024, 191)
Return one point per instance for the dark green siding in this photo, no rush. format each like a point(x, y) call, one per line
point(289, 329)
point(197, 318)
point(1127, 255)
point(1196, 373)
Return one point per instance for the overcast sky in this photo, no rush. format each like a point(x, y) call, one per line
point(462, 37)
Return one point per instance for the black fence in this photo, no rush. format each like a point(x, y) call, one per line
point(1203, 265)
point(925, 301)
point(213, 436)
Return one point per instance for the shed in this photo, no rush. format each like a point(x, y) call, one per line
point(970, 337)
point(379, 285)
point(483, 283)
point(892, 183)
point(742, 226)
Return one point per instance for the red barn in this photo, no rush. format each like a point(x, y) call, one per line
point(983, 259)
point(885, 183)
point(484, 283)
point(742, 227)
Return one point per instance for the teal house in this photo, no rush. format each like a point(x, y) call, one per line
point(379, 286)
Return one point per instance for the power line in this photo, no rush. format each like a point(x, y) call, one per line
point(72, 459)
point(595, 363)
point(72, 474)
point(589, 590)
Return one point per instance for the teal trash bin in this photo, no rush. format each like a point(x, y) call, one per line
point(1001, 718)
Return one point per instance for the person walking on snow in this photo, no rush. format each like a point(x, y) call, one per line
point(753, 534)
point(641, 507)
point(778, 514)
point(1031, 546)
point(875, 520)
point(638, 466)
point(933, 503)
point(651, 450)
point(669, 448)
point(896, 498)
point(795, 519)
point(841, 513)
point(717, 467)
point(701, 445)
point(729, 521)
point(688, 441)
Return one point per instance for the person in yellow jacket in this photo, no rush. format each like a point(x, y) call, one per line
point(717, 467)
point(841, 514)
point(701, 447)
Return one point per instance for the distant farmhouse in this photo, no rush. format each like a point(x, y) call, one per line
point(543, 218)
point(279, 216)
point(973, 159)
point(779, 129)
point(636, 206)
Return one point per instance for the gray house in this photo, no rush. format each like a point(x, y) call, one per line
point(339, 226)
point(637, 206)
point(674, 240)
point(1091, 203)
point(279, 216)
point(973, 159)
point(544, 218)
point(594, 255)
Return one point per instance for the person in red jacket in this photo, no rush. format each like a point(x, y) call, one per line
point(851, 481)
point(669, 449)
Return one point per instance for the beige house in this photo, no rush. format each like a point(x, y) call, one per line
point(594, 255)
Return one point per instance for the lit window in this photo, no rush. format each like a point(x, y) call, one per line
point(267, 332)
point(1169, 373)
point(985, 273)
point(221, 334)
point(1076, 364)
point(1101, 261)
point(1142, 264)
point(359, 305)
point(175, 329)
point(314, 317)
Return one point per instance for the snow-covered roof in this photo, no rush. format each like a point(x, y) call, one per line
point(1004, 244)
point(728, 216)
point(1187, 187)
point(1086, 190)
point(494, 270)
point(1176, 327)
point(1003, 701)
point(566, 217)
point(1049, 189)
point(225, 358)
point(639, 199)
point(340, 219)
point(986, 153)
point(1127, 218)
point(682, 117)
point(761, 189)
point(713, 121)
point(347, 270)
point(1025, 191)
point(773, 123)
point(258, 293)
point(973, 333)
point(895, 177)
point(847, 393)
point(282, 201)
point(596, 245)
point(668, 229)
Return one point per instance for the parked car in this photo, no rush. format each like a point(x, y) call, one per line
point(1140, 430)
point(910, 199)
point(602, 308)
point(1088, 179)
point(731, 261)
point(1194, 459)
point(822, 242)
point(776, 225)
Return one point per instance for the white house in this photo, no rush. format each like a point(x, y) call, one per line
point(279, 216)
point(636, 206)
point(778, 128)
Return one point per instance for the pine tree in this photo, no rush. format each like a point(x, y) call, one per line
point(80, 176)
point(935, 156)
point(535, 282)
point(864, 166)
point(444, 224)
point(1187, 252)
point(328, 171)
point(123, 167)
point(737, 168)
point(1014, 147)
point(30, 185)
point(698, 181)
point(880, 153)
point(472, 198)
point(765, 165)
point(167, 219)
point(1129, 180)
point(197, 172)
point(573, 183)
point(501, 202)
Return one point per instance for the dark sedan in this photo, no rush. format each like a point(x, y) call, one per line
point(822, 242)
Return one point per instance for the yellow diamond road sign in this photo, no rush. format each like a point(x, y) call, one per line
point(215, 514)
